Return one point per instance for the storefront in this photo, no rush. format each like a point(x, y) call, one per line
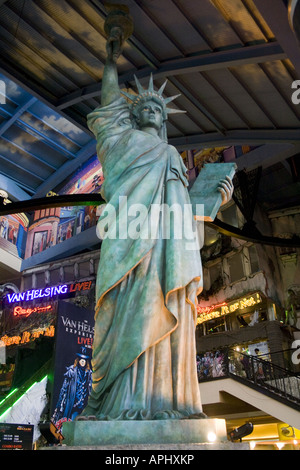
point(244, 324)
point(233, 314)
point(51, 324)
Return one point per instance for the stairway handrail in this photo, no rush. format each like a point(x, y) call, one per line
point(264, 361)
point(267, 379)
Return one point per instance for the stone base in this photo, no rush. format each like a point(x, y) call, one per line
point(156, 432)
point(180, 448)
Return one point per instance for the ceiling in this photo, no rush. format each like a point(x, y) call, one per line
point(233, 63)
point(35, 141)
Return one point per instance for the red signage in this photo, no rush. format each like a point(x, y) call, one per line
point(25, 312)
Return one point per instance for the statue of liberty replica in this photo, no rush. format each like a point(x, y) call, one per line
point(144, 354)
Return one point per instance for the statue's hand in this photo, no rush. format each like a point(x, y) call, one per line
point(114, 44)
point(226, 189)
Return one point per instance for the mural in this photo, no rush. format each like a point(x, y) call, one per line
point(52, 226)
point(13, 228)
point(9, 228)
point(211, 365)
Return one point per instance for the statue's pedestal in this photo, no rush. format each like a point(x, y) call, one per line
point(156, 432)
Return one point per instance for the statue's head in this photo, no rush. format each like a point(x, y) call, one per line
point(150, 105)
point(149, 113)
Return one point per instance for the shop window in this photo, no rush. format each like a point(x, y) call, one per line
point(215, 272)
point(253, 259)
point(236, 267)
point(250, 319)
point(40, 280)
point(69, 273)
point(54, 277)
point(84, 269)
point(216, 325)
point(27, 283)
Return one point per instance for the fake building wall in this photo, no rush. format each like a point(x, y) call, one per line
point(34, 318)
point(232, 272)
point(286, 224)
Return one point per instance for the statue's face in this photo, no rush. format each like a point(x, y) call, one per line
point(150, 115)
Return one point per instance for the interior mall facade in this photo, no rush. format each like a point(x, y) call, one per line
point(247, 321)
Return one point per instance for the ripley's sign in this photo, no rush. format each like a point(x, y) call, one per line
point(47, 292)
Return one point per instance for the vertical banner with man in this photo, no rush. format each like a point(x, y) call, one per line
point(72, 369)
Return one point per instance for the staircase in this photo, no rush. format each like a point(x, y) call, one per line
point(257, 382)
point(268, 378)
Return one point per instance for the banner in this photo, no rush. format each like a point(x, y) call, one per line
point(72, 369)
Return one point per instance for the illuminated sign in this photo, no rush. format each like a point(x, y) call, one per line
point(209, 309)
point(47, 292)
point(16, 436)
point(219, 310)
point(28, 336)
point(25, 312)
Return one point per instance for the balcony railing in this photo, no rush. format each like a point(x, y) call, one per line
point(260, 372)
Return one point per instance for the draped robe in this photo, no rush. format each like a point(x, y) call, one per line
point(144, 357)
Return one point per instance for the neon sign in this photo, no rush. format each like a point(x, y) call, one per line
point(209, 309)
point(28, 336)
point(47, 292)
point(218, 310)
point(25, 312)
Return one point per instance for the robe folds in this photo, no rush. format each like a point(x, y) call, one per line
point(144, 357)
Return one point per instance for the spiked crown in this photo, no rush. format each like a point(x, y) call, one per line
point(151, 94)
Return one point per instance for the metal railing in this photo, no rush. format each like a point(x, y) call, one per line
point(262, 373)
point(265, 375)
